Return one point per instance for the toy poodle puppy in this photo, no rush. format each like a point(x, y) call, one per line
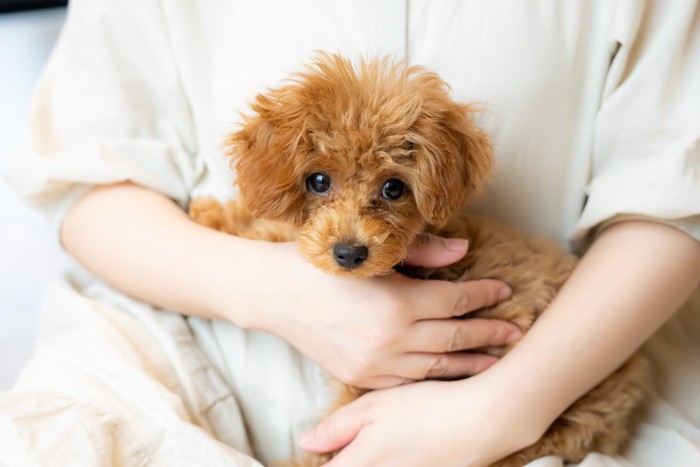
point(354, 162)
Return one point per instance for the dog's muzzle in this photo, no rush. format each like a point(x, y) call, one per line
point(349, 256)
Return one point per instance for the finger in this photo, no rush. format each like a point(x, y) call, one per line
point(435, 299)
point(335, 431)
point(431, 251)
point(418, 366)
point(353, 454)
point(385, 382)
point(452, 335)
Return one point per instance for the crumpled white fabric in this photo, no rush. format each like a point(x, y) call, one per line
point(108, 388)
point(113, 384)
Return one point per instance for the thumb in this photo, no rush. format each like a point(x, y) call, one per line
point(334, 432)
point(431, 251)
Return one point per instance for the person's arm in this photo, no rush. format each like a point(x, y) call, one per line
point(632, 279)
point(373, 333)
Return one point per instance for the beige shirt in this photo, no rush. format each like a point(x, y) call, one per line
point(593, 108)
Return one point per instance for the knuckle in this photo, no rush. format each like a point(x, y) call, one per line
point(496, 336)
point(384, 342)
point(352, 378)
point(358, 373)
point(492, 332)
point(380, 341)
point(459, 339)
point(387, 341)
point(365, 365)
point(393, 308)
point(396, 312)
point(462, 303)
point(437, 368)
point(499, 335)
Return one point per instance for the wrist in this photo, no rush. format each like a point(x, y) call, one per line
point(521, 414)
point(242, 282)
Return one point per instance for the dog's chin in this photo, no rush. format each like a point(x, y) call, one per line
point(365, 270)
point(360, 272)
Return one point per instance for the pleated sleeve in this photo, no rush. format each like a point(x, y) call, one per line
point(109, 107)
point(646, 160)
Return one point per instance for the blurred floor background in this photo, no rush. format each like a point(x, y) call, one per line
point(29, 253)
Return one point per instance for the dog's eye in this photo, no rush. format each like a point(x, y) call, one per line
point(409, 145)
point(318, 182)
point(393, 189)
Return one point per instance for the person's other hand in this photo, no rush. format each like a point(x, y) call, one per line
point(456, 423)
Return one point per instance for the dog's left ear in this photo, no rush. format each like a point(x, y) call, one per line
point(458, 164)
point(262, 154)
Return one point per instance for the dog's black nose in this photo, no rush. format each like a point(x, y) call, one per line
point(349, 256)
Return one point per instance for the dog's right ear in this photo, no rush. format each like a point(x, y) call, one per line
point(262, 154)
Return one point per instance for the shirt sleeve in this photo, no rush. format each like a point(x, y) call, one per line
point(646, 160)
point(109, 107)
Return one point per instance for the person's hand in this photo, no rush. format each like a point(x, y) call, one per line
point(456, 423)
point(389, 330)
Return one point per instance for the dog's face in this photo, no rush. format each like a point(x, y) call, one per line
point(361, 158)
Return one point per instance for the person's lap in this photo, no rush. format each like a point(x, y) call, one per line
point(115, 383)
point(115, 379)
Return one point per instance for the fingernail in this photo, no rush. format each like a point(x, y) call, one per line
point(513, 336)
point(504, 293)
point(456, 244)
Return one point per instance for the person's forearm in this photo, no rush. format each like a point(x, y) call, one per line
point(142, 243)
point(633, 278)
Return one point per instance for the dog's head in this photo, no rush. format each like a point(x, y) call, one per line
point(362, 158)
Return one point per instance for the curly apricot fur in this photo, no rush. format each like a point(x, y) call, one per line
point(353, 123)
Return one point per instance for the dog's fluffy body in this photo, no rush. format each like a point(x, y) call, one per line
point(367, 124)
